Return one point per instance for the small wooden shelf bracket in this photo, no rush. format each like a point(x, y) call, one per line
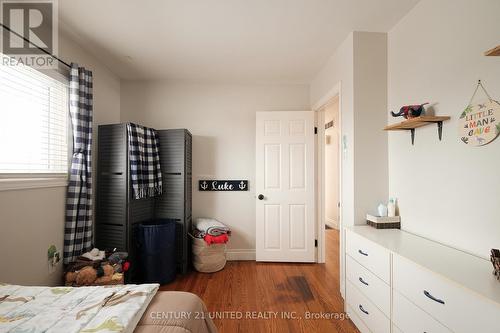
point(440, 130)
point(413, 123)
point(412, 131)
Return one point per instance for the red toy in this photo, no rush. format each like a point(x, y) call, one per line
point(126, 266)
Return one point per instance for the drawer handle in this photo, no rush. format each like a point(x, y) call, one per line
point(363, 281)
point(428, 294)
point(363, 253)
point(363, 310)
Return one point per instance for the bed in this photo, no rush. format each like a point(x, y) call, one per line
point(125, 308)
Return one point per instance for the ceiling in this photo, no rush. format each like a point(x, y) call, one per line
point(230, 41)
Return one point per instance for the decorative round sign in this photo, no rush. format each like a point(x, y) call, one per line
point(479, 124)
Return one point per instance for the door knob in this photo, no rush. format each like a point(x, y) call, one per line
point(261, 197)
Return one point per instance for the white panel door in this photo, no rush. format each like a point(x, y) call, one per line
point(285, 186)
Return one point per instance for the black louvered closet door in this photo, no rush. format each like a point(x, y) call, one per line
point(112, 182)
point(117, 213)
point(175, 203)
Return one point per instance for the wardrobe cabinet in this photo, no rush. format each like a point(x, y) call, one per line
point(402, 283)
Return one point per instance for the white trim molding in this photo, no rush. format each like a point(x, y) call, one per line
point(240, 254)
point(11, 184)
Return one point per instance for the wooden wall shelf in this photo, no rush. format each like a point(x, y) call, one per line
point(493, 52)
point(413, 123)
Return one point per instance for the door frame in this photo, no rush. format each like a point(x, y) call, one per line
point(320, 171)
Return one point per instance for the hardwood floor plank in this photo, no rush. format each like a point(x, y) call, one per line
point(250, 289)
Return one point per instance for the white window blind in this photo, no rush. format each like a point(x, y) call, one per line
point(34, 111)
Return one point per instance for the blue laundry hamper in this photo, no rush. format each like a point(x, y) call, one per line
point(156, 251)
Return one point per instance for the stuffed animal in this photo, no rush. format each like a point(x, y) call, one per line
point(71, 277)
point(117, 260)
point(88, 275)
point(107, 276)
point(117, 257)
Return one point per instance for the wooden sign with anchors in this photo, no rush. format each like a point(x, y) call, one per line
point(208, 185)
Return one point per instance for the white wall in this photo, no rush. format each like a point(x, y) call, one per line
point(222, 121)
point(340, 69)
point(360, 65)
point(370, 109)
point(106, 83)
point(32, 220)
point(447, 191)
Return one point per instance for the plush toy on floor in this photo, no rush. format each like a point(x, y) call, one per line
point(118, 261)
point(104, 274)
point(89, 275)
point(98, 267)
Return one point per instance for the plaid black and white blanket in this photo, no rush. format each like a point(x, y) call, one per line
point(145, 172)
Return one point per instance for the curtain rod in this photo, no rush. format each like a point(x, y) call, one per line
point(38, 47)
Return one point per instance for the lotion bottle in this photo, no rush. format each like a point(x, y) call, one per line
point(391, 207)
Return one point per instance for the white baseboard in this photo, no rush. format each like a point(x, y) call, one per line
point(331, 223)
point(240, 254)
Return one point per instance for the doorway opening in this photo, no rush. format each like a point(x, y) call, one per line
point(328, 166)
point(331, 139)
point(333, 254)
point(329, 155)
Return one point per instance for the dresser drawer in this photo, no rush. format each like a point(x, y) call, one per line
point(370, 285)
point(366, 310)
point(370, 255)
point(452, 305)
point(411, 319)
point(360, 325)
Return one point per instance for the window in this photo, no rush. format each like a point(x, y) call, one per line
point(33, 122)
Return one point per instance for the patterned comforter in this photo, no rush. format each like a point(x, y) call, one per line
point(69, 309)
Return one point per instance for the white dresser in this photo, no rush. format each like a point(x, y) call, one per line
point(402, 283)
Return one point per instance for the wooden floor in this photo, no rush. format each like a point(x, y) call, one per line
point(273, 289)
